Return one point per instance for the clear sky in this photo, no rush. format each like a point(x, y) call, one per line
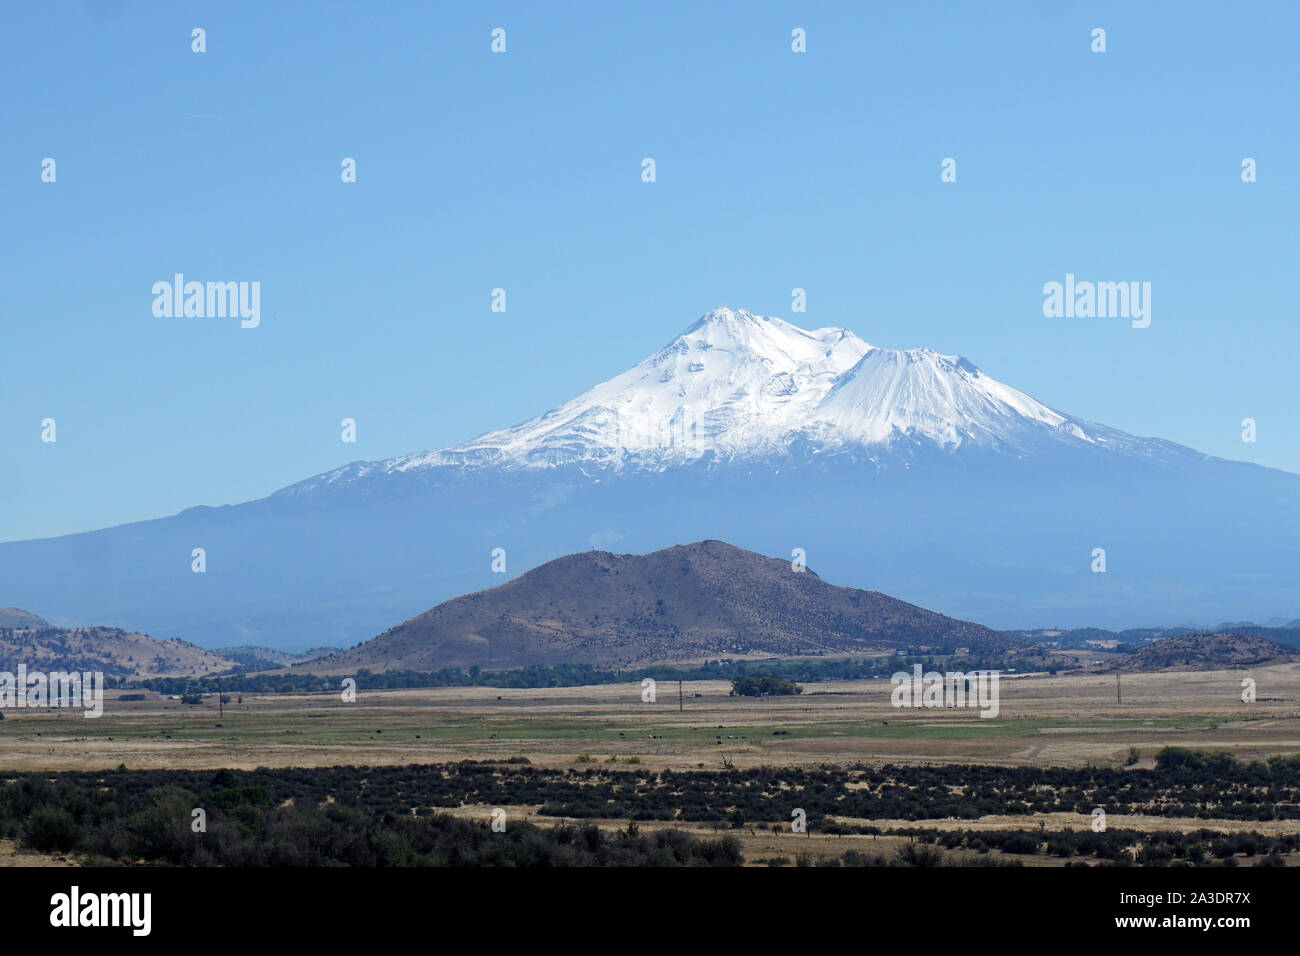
point(522, 170)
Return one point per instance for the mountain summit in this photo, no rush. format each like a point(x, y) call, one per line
point(737, 386)
point(909, 472)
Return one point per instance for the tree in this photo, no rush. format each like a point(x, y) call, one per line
point(763, 687)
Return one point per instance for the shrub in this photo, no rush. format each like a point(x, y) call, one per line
point(52, 829)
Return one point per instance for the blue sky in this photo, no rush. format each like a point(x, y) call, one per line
point(521, 170)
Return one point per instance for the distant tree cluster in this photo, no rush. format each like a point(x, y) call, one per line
point(569, 675)
point(764, 687)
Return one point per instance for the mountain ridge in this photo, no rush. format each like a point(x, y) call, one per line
point(686, 603)
point(14, 617)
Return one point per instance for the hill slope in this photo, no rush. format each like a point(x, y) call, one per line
point(685, 603)
point(1206, 651)
point(115, 652)
point(16, 617)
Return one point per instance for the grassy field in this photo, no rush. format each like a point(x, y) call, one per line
point(1043, 721)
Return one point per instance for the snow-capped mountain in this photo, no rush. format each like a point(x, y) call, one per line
point(907, 472)
point(737, 386)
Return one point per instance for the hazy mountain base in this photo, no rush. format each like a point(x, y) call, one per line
point(975, 535)
point(250, 657)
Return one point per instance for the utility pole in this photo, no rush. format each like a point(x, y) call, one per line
point(680, 703)
point(1118, 699)
point(221, 701)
